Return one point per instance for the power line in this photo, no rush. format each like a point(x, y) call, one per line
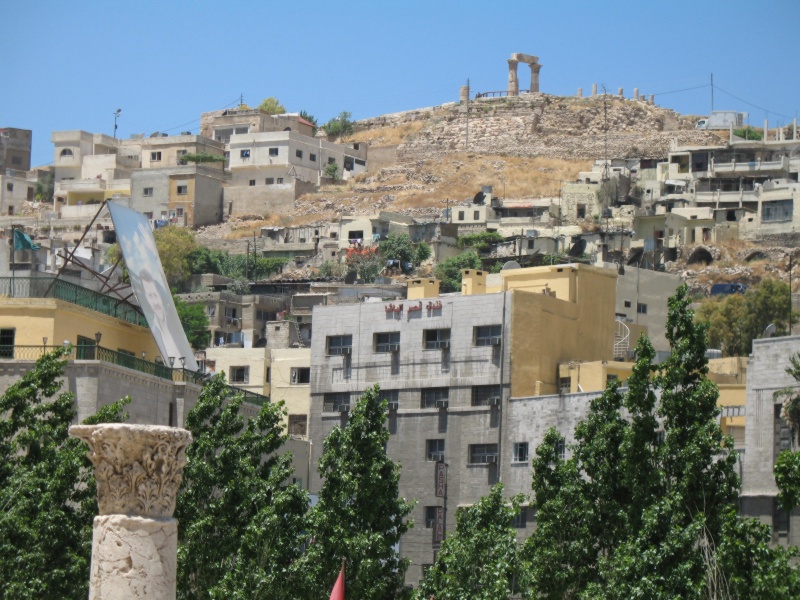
point(198, 120)
point(751, 104)
point(697, 87)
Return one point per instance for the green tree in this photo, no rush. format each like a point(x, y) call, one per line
point(341, 126)
point(749, 133)
point(242, 523)
point(175, 246)
point(787, 465)
point(195, 323)
point(366, 263)
point(331, 171)
point(48, 495)
point(359, 516)
point(736, 320)
point(202, 157)
point(45, 187)
point(204, 260)
point(272, 106)
point(639, 513)
point(480, 559)
point(397, 246)
point(449, 270)
point(482, 242)
point(422, 253)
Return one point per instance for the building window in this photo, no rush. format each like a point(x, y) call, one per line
point(301, 375)
point(332, 402)
point(16, 160)
point(155, 156)
point(461, 215)
point(211, 310)
point(298, 153)
point(434, 450)
point(481, 454)
point(147, 192)
point(389, 395)
point(7, 343)
point(10, 187)
point(435, 397)
point(627, 303)
point(641, 308)
point(66, 152)
point(182, 189)
point(561, 449)
point(780, 210)
point(312, 157)
point(179, 212)
point(240, 374)
point(430, 517)
point(298, 424)
point(486, 395)
point(520, 452)
point(252, 182)
point(331, 161)
point(340, 344)
point(476, 215)
point(273, 152)
point(227, 155)
point(564, 385)
point(780, 521)
point(487, 335)
point(279, 180)
point(521, 518)
point(244, 154)
point(269, 180)
point(436, 338)
point(387, 342)
point(610, 378)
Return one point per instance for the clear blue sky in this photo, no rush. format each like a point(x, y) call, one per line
point(69, 65)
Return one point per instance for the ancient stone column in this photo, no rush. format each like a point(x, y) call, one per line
point(513, 82)
point(652, 99)
point(635, 93)
point(139, 469)
point(621, 93)
point(535, 68)
point(463, 95)
point(580, 93)
point(594, 90)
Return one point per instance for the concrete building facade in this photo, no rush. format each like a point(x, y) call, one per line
point(15, 149)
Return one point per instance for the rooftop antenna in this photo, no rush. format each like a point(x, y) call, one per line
point(712, 92)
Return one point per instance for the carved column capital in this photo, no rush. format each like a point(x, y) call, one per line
point(139, 468)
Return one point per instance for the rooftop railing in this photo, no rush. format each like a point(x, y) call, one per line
point(36, 287)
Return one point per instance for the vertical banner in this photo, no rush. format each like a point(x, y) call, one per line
point(441, 479)
point(438, 526)
point(135, 238)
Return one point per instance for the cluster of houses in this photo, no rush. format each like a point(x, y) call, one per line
point(472, 379)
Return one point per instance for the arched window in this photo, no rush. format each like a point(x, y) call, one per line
point(66, 152)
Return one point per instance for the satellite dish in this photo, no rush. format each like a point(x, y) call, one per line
point(578, 248)
point(351, 278)
point(769, 331)
point(512, 264)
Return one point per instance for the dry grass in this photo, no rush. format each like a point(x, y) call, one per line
point(388, 136)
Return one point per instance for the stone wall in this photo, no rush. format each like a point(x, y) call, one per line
point(543, 125)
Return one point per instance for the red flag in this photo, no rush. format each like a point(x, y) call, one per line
point(337, 593)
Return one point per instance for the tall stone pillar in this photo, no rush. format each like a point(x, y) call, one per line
point(513, 82)
point(594, 90)
point(580, 93)
point(635, 93)
point(463, 95)
point(535, 68)
point(139, 469)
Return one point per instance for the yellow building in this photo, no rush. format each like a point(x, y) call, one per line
point(290, 383)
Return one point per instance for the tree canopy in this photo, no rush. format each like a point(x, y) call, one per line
point(341, 126)
point(787, 465)
point(360, 516)
point(738, 319)
point(647, 504)
point(242, 524)
point(195, 323)
point(175, 245)
point(272, 106)
point(449, 270)
point(47, 488)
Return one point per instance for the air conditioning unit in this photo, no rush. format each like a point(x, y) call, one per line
point(437, 457)
point(495, 341)
point(344, 408)
point(493, 401)
point(445, 345)
point(346, 350)
point(327, 407)
point(442, 403)
point(394, 347)
point(394, 405)
point(491, 459)
point(430, 523)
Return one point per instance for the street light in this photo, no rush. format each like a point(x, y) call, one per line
point(171, 361)
point(116, 116)
point(97, 337)
point(183, 362)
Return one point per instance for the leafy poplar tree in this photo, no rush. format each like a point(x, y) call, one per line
point(479, 561)
point(241, 522)
point(359, 517)
point(787, 466)
point(637, 513)
point(48, 496)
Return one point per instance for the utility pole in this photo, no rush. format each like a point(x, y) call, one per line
point(241, 99)
point(712, 93)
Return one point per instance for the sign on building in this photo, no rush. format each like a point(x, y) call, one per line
point(441, 479)
point(438, 526)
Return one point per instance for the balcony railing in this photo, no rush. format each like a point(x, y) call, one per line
point(36, 287)
point(33, 353)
